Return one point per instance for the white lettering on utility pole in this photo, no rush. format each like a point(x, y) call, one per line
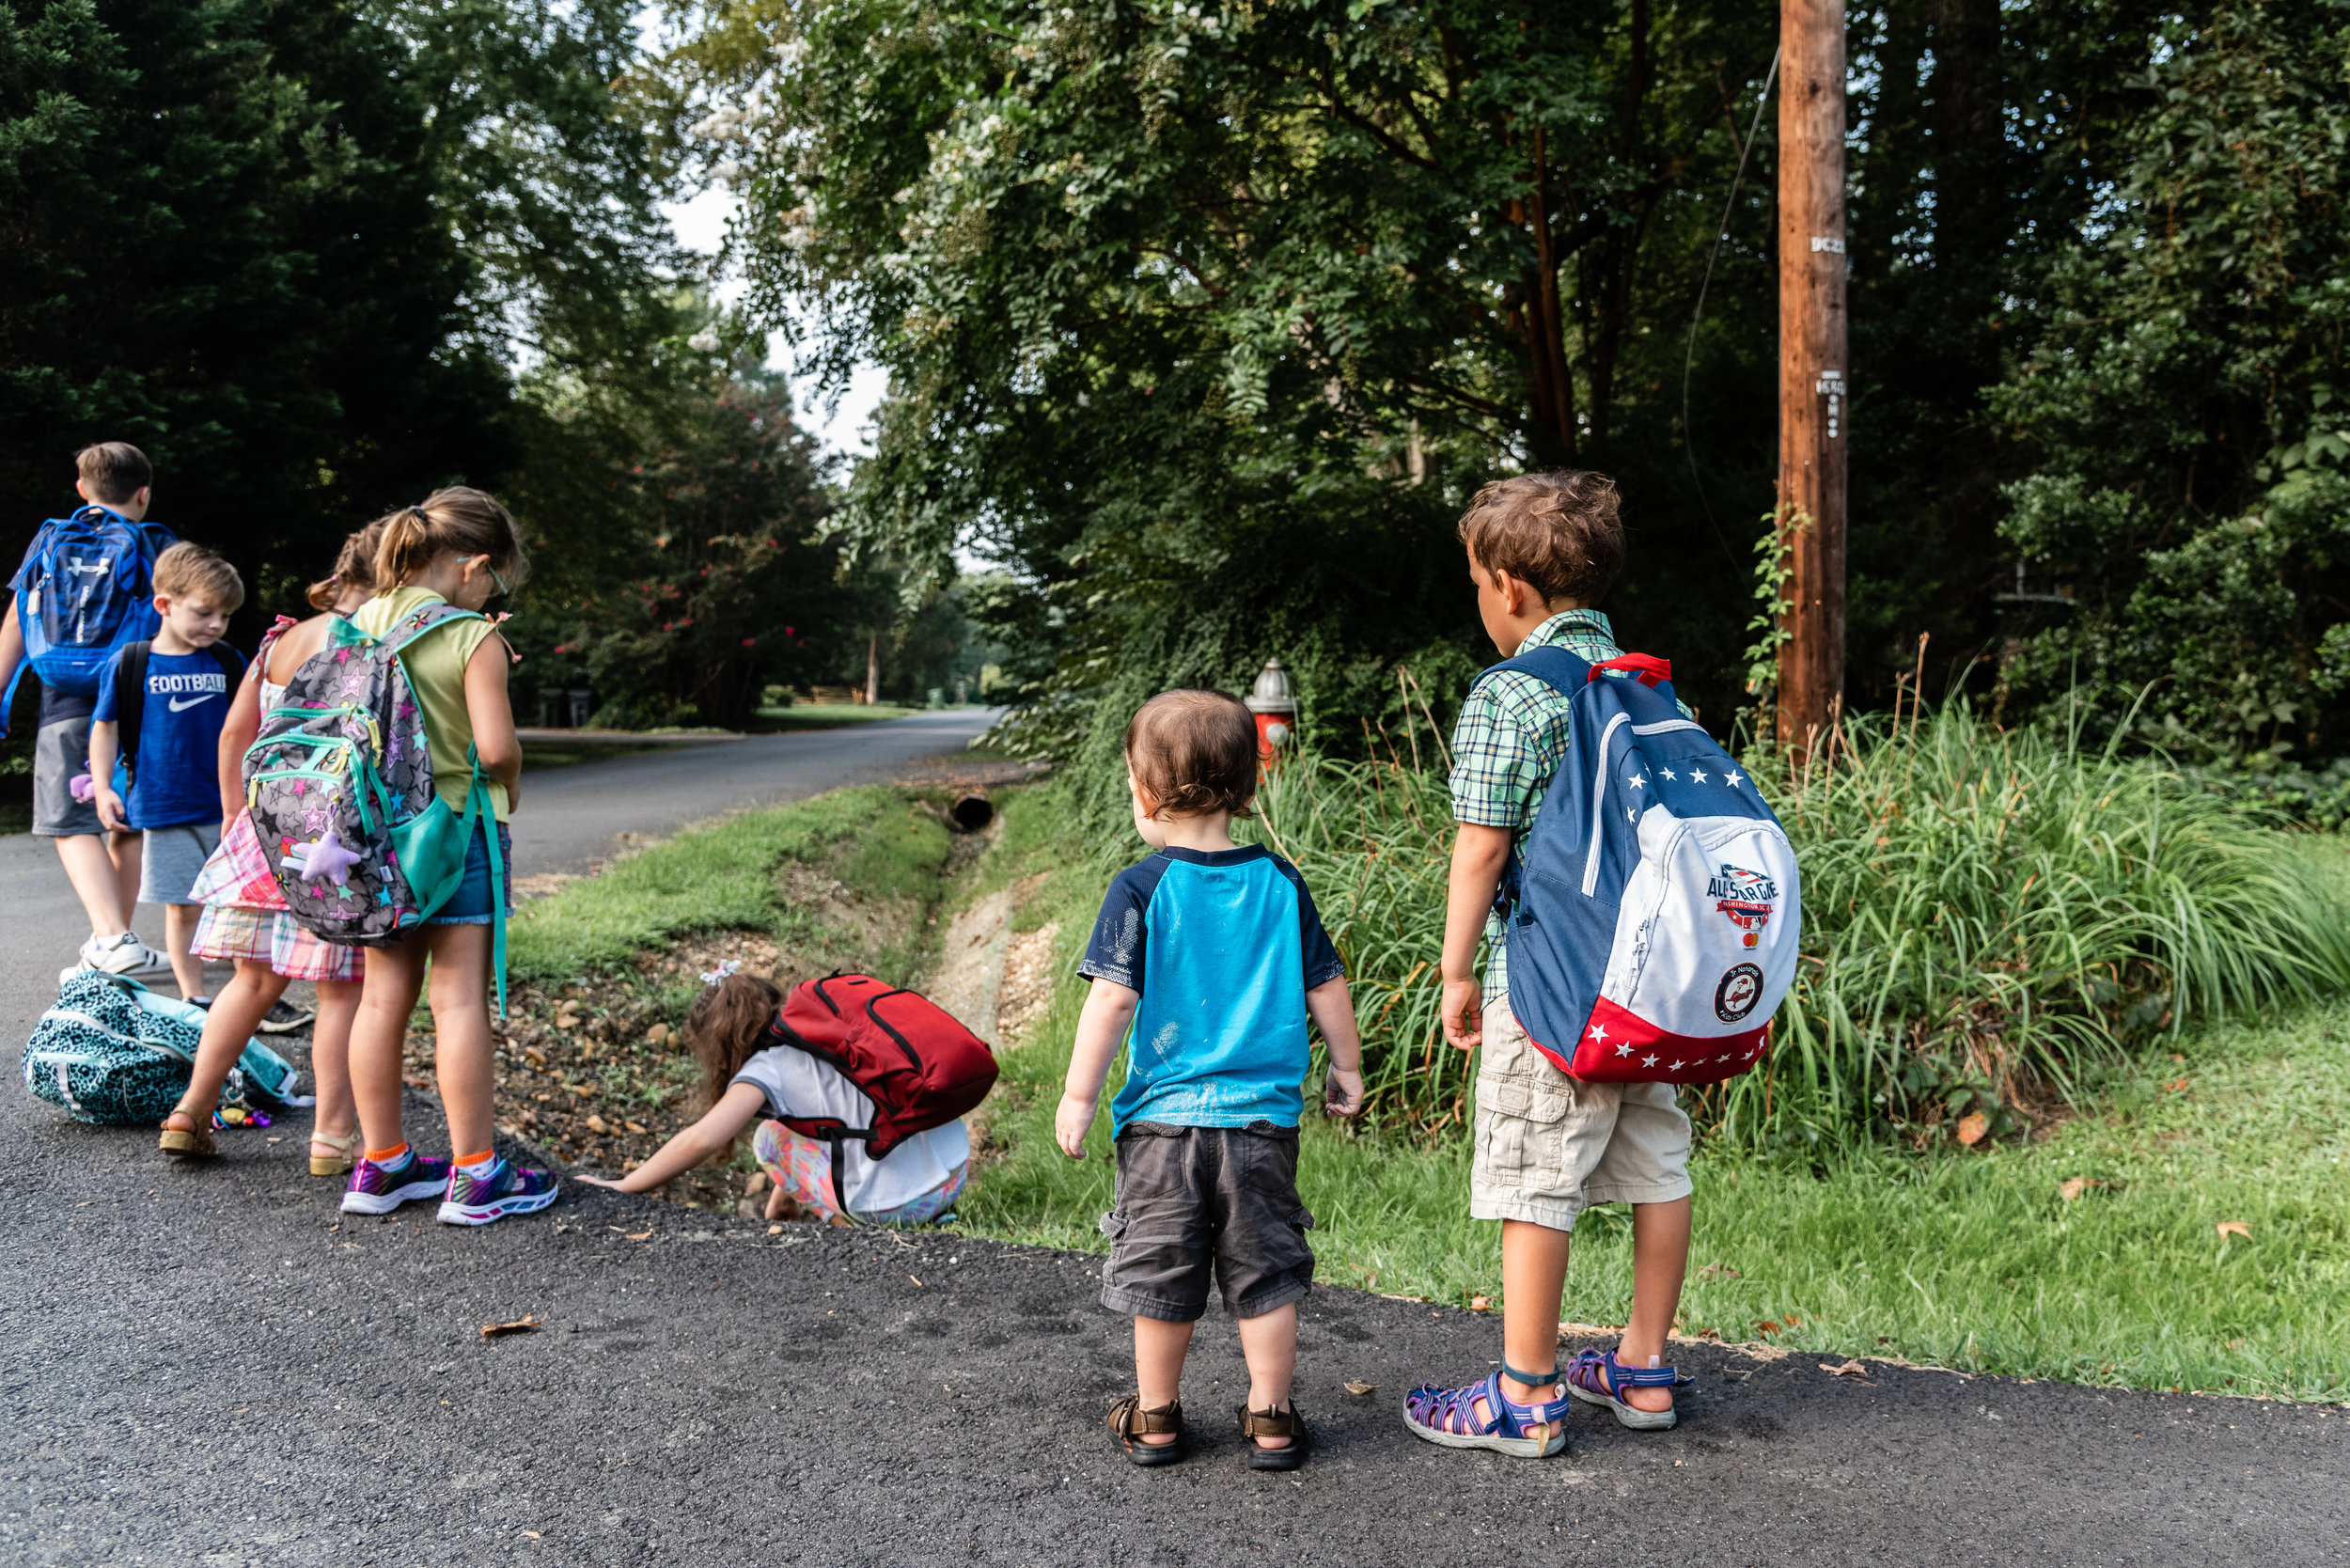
point(1831, 386)
point(1834, 246)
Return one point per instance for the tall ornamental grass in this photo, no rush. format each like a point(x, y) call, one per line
point(1990, 919)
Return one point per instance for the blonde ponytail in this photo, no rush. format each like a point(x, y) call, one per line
point(458, 520)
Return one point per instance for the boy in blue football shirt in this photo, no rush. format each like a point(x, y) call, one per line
point(173, 760)
point(1210, 956)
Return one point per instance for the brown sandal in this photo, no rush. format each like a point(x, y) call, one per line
point(345, 1155)
point(1270, 1422)
point(195, 1143)
point(1129, 1421)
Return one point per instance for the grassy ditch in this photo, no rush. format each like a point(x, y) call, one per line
point(1967, 1257)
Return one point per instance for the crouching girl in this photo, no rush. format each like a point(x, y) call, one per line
point(746, 1076)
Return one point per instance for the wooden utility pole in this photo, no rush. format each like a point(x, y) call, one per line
point(1814, 395)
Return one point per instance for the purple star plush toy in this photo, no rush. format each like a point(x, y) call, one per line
point(323, 856)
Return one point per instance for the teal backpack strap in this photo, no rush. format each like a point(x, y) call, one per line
point(478, 799)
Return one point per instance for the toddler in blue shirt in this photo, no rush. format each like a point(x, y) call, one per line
point(1207, 963)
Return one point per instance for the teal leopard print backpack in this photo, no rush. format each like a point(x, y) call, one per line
point(114, 1054)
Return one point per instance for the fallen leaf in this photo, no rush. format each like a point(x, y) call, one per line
point(1766, 1327)
point(1793, 1321)
point(2235, 1228)
point(1850, 1368)
point(1391, 1296)
point(1360, 1388)
point(1971, 1127)
point(520, 1326)
point(595, 1124)
point(2073, 1187)
point(2174, 1087)
point(641, 1235)
point(1478, 1304)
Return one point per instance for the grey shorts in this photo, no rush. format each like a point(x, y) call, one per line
point(1197, 1200)
point(60, 753)
point(1549, 1146)
point(172, 859)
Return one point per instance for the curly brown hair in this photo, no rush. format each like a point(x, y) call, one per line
point(1195, 751)
point(729, 1026)
point(353, 569)
point(1560, 534)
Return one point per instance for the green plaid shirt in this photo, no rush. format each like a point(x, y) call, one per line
point(1508, 745)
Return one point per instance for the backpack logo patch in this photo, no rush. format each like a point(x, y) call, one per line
point(1739, 989)
point(1747, 898)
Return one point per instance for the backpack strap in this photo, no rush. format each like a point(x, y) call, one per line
point(130, 675)
point(477, 806)
point(1555, 666)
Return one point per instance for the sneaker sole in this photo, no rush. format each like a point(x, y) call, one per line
point(1638, 1420)
point(266, 1026)
point(384, 1203)
point(1517, 1448)
point(483, 1213)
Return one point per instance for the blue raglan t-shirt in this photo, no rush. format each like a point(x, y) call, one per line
point(178, 780)
point(1223, 944)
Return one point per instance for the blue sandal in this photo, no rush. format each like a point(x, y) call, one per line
point(1449, 1416)
point(1596, 1377)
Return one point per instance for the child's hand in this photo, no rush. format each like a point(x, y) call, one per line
point(1070, 1124)
point(1342, 1093)
point(1463, 1014)
point(602, 1182)
point(110, 810)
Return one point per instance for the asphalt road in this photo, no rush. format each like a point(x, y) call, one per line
point(211, 1365)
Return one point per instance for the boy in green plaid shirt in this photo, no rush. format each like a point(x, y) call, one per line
point(1543, 549)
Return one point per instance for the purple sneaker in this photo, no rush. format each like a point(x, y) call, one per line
point(505, 1190)
point(378, 1189)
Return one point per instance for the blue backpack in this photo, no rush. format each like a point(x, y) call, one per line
point(115, 1053)
point(1655, 906)
point(87, 587)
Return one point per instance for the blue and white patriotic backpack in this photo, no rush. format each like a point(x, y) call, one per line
point(1656, 908)
point(87, 587)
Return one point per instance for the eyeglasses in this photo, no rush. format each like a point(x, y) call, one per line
point(503, 590)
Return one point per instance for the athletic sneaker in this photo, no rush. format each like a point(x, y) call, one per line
point(284, 1018)
point(377, 1189)
point(122, 955)
point(505, 1190)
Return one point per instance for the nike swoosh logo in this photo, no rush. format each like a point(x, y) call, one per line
point(182, 704)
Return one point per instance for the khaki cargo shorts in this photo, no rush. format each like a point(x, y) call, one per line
point(1549, 1146)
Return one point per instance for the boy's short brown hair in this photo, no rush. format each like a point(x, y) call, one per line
point(1195, 751)
point(114, 470)
point(185, 568)
point(1558, 533)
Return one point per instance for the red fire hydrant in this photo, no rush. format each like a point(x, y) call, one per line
point(1275, 706)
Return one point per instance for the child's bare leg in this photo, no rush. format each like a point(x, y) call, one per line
point(1269, 1344)
point(1159, 1351)
point(1533, 1281)
point(236, 1013)
point(125, 851)
point(387, 996)
point(330, 1059)
point(90, 868)
point(179, 936)
point(461, 1034)
point(1660, 1256)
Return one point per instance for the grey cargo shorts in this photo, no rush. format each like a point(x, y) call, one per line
point(1195, 1199)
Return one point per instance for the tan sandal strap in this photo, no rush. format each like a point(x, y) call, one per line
point(342, 1145)
point(1128, 1418)
point(1270, 1422)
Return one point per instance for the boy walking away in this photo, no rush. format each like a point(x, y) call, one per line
point(84, 589)
point(1207, 961)
point(160, 706)
point(1543, 549)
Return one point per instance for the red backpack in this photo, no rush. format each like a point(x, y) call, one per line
point(919, 1067)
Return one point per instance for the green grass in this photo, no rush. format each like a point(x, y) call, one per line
point(827, 715)
point(1953, 1258)
point(726, 876)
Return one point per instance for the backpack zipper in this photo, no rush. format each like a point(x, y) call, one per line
point(1599, 803)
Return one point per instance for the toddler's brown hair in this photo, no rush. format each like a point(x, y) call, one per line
point(185, 568)
point(1195, 751)
point(1560, 533)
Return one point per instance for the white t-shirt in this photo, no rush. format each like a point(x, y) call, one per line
point(796, 1083)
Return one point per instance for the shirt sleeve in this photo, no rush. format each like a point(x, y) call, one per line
point(1322, 963)
point(106, 711)
point(1496, 773)
point(1115, 952)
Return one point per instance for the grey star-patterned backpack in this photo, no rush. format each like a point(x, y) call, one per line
point(340, 785)
point(115, 1053)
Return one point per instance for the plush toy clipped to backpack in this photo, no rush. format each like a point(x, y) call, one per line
point(910, 1056)
point(1657, 905)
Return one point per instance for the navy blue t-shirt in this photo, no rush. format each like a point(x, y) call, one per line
point(178, 778)
point(1223, 944)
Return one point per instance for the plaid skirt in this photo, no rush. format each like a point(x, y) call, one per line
point(229, 934)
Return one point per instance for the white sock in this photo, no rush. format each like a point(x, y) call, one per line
point(479, 1170)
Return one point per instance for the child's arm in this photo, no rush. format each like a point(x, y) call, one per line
point(1332, 1013)
point(1480, 855)
point(103, 737)
point(696, 1143)
point(493, 716)
point(238, 732)
point(1109, 1010)
point(12, 651)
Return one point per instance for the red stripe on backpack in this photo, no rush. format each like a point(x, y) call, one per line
point(910, 1056)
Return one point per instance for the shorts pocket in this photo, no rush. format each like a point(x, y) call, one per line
point(1524, 1098)
point(1521, 1134)
point(1113, 1225)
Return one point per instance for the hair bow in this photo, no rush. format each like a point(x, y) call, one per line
point(712, 977)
